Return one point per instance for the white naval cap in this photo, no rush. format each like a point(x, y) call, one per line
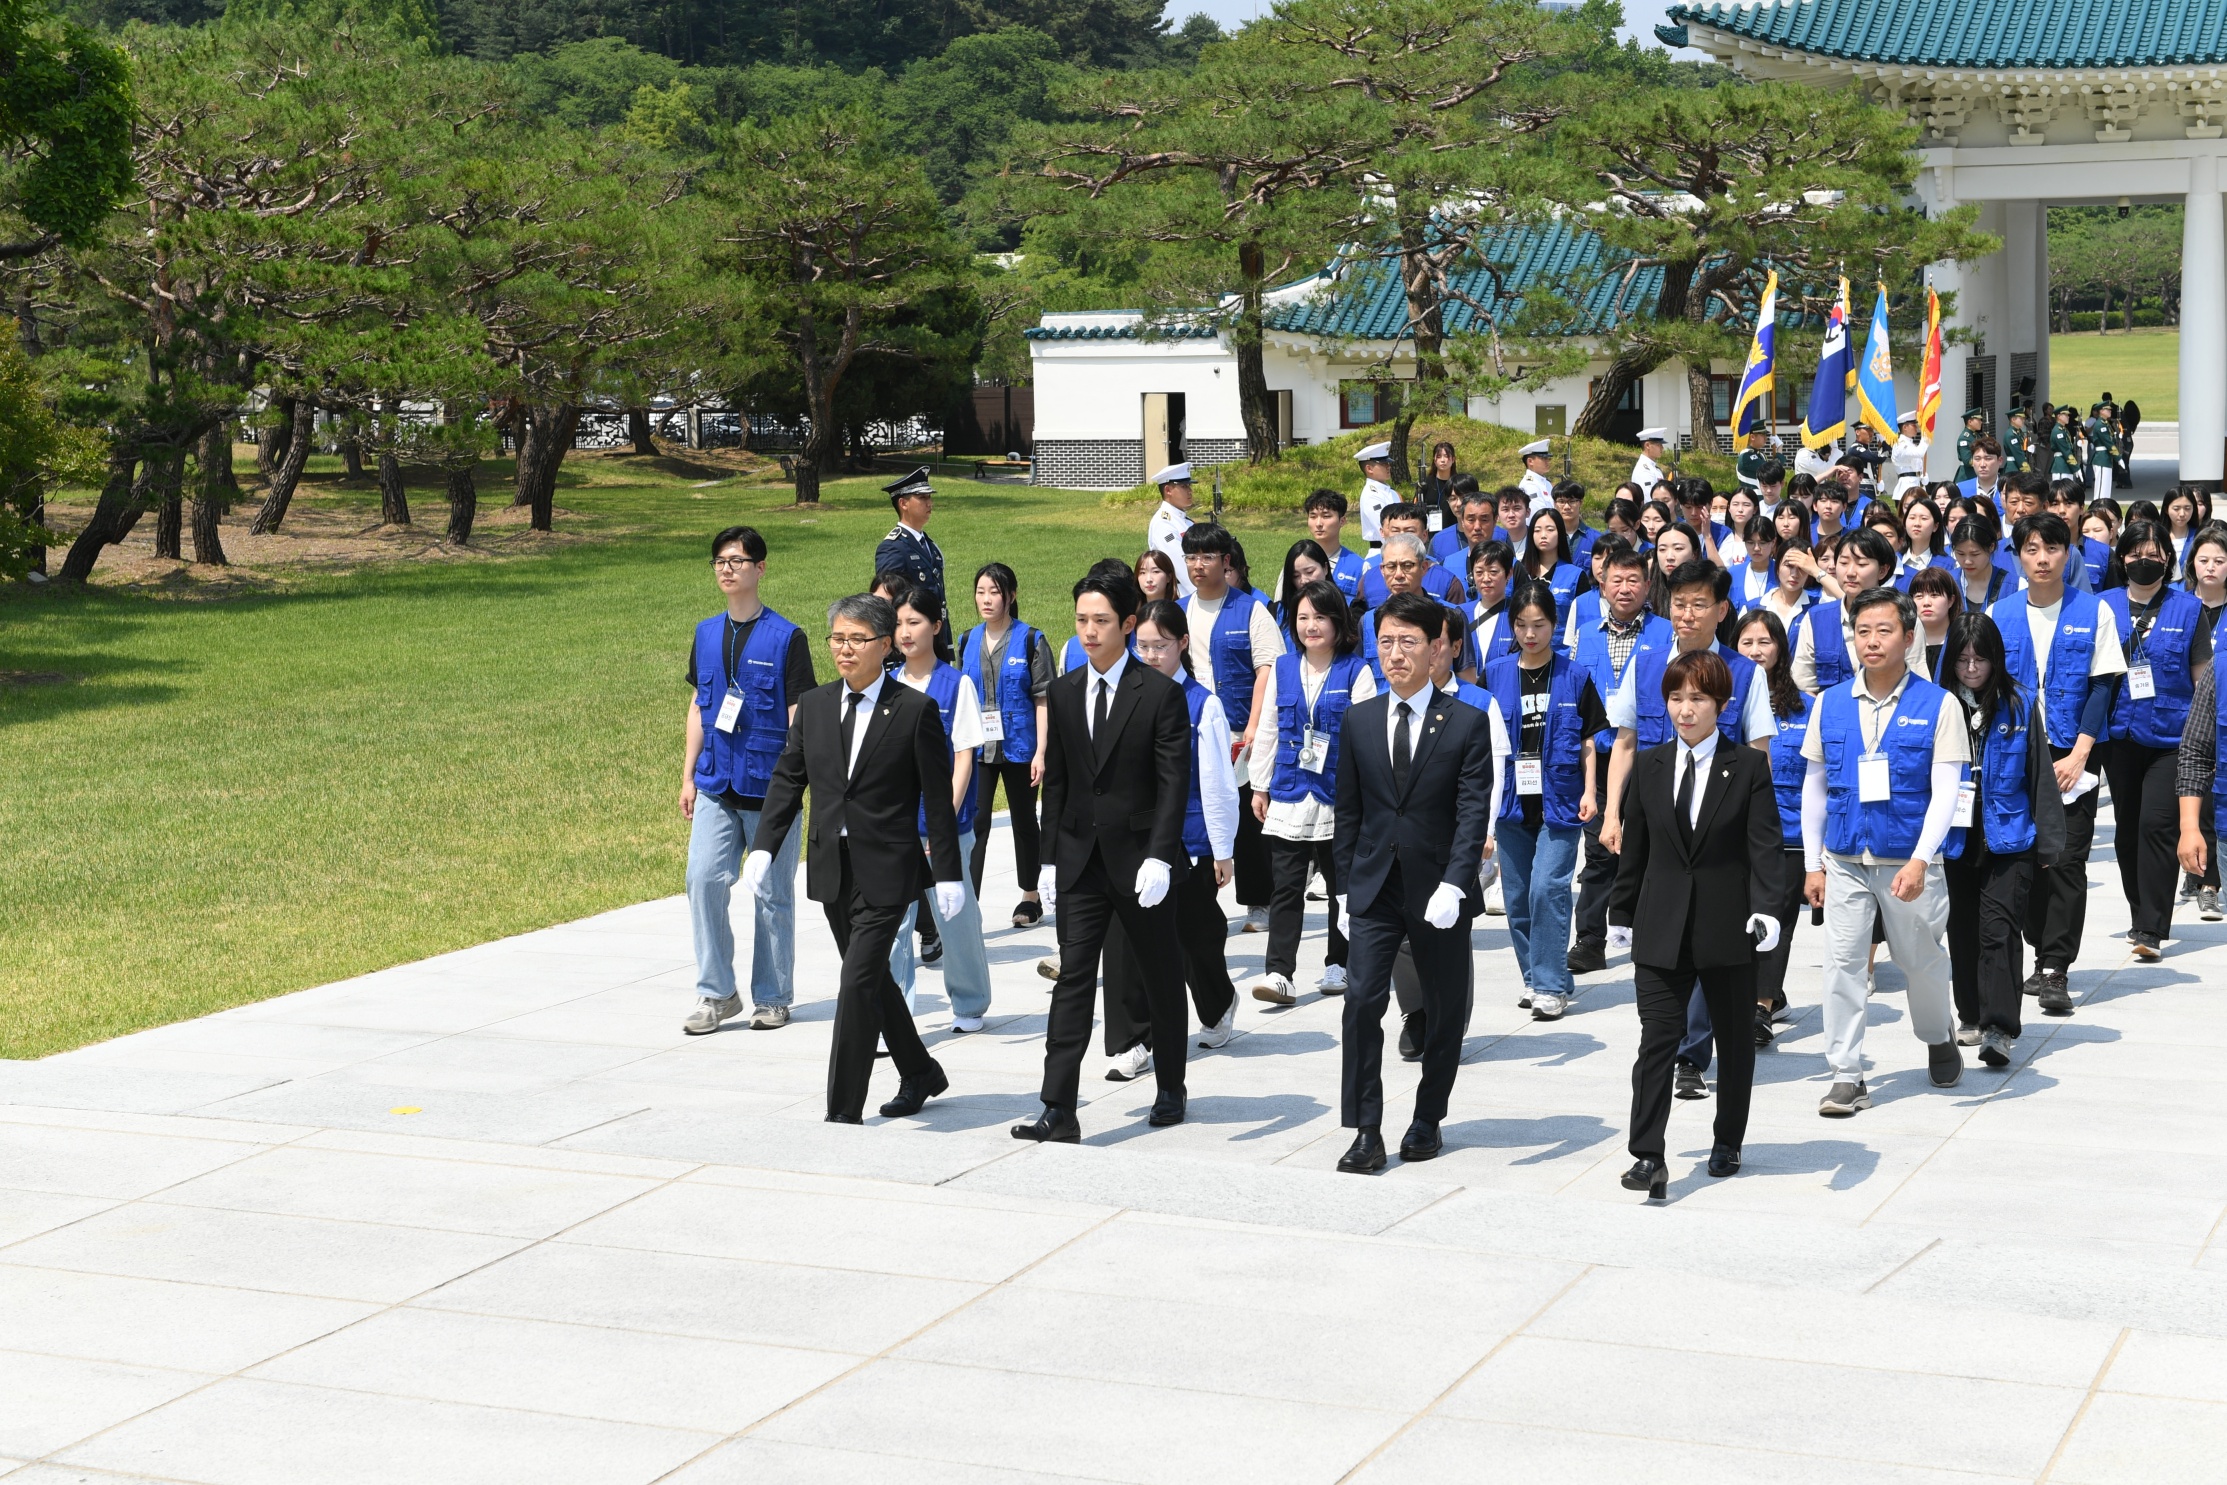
point(1375, 451)
point(1543, 446)
point(1654, 435)
point(1174, 474)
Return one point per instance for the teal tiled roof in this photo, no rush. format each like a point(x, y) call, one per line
point(1133, 330)
point(2033, 34)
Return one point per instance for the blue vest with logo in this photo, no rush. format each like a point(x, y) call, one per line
point(1561, 750)
point(741, 762)
point(1887, 828)
point(1828, 646)
point(1345, 571)
point(1195, 839)
point(1294, 717)
point(1503, 641)
point(1593, 655)
point(2157, 721)
point(1010, 692)
point(2219, 724)
point(1651, 714)
point(2006, 805)
point(1233, 655)
point(1789, 768)
point(2071, 650)
point(1563, 582)
point(943, 690)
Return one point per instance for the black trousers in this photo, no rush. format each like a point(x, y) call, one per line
point(1770, 969)
point(2057, 908)
point(2147, 810)
point(1204, 934)
point(1086, 910)
point(1661, 994)
point(1020, 800)
point(1599, 876)
point(1987, 957)
point(1293, 861)
point(1442, 966)
point(1255, 878)
point(869, 1007)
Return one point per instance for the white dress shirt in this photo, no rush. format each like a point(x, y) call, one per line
point(867, 700)
point(1111, 680)
point(1375, 495)
point(1165, 535)
point(1217, 779)
point(1698, 756)
point(1419, 704)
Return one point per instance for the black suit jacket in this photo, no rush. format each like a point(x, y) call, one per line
point(1435, 830)
point(904, 763)
point(1123, 792)
point(1715, 878)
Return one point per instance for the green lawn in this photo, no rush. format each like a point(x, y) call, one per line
point(239, 796)
point(2142, 366)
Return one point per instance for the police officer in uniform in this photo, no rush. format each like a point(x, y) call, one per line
point(1376, 490)
point(1536, 482)
point(1646, 472)
point(1171, 520)
point(908, 549)
point(1973, 419)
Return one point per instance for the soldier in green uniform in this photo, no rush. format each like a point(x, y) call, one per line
point(1974, 419)
point(2018, 449)
point(2064, 446)
point(2103, 453)
point(1753, 458)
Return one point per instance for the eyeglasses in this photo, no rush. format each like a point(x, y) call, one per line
point(730, 564)
point(1148, 648)
point(853, 641)
point(1404, 644)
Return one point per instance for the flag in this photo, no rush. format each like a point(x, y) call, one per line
point(1751, 410)
point(1929, 379)
point(1827, 418)
point(1875, 396)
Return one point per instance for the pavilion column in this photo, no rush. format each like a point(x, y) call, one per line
point(2203, 327)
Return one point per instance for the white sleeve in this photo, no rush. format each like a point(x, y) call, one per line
point(1260, 767)
point(1805, 653)
point(1760, 722)
point(2109, 658)
point(1217, 780)
point(1364, 687)
point(1497, 730)
point(1813, 817)
point(1267, 640)
point(1939, 810)
point(966, 717)
point(1623, 703)
point(1569, 629)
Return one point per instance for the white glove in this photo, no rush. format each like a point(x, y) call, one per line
point(1345, 914)
point(1152, 882)
point(1047, 886)
point(755, 866)
point(1445, 908)
point(1765, 928)
point(1619, 940)
point(950, 897)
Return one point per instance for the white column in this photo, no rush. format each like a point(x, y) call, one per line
point(2041, 306)
point(2203, 326)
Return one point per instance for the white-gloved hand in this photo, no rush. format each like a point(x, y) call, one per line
point(950, 897)
point(755, 866)
point(1445, 907)
point(1766, 931)
point(1152, 882)
point(1619, 940)
point(1345, 914)
point(1047, 886)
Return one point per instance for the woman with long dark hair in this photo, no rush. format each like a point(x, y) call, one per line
point(1934, 593)
point(1305, 563)
point(1156, 576)
point(1011, 667)
point(1546, 555)
point(1762, 638)
point(1435, 490)
point(1675, 546)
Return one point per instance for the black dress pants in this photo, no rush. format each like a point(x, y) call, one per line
point(1987, 957)
point(2057, 907)
point(1255, 878)
point(1661, 994)
point(1442, 967)
point(869, 1008)
point(1086, 910)
point(1204, 934)
point(1599, 876)
point(1770, 969)
point(2147, 810)
point(1292, 862)
point(1020, 800)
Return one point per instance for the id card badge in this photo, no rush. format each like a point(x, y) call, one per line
point(1965, 794)
point(730, 712)
point(2140, 683)
point(993, 726)
point(1872, 779)
point(1314, 750)
point(1530, 776)
point(1435, 519)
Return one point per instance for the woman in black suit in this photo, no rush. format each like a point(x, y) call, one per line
point(1698, 883)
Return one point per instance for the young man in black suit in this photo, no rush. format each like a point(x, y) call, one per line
point(874, 756)
point(1698, 882)
point(1117, 775)
point(1415, 801)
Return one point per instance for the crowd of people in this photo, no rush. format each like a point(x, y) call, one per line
point(1835, 692)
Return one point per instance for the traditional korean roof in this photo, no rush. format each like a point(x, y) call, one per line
point(1119, 324)
point(1973, 34)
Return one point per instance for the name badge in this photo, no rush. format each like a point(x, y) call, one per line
point(1436, 519)
point(1314, 750)
point(993, 726)
point(1965, 794)
point(730, 712)
point(1530, 776)
point(2140, 683)
point(1873, 779)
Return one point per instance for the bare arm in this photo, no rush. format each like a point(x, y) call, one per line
point(689, 754)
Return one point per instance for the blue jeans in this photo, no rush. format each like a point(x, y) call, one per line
point(966, 962)
point(717, 840)
point(1535, 868)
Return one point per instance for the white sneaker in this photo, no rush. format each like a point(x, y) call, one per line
point(1130, 1065)
point(1220, 1032)
point(1619, 941)
point(1547, 1006)
point(1274, 989)
point(1333, 980)
point(708, 1014)
point(1256, 921)
point(1523, 1001)
point(1494, 906)
point(962, 1025)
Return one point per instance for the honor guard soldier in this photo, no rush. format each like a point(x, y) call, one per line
point(1536, 482)
point(1646, 472)
point(2018, 450)
point(1376, 490)
point(908, 549)
point(1909, 453)
point(1171, 520)
point(1973, 419)
point(1753, 458)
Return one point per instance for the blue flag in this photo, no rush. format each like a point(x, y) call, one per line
point(1875, 395)
point(1827, 418)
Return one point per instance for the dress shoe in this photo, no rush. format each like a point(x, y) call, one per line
point(1054, 1126)
point(914, 1093)
point(1423, 1141)
point(1168, 1108)
point(1764, 1036)
point(1724, 1160)
point(1586, 957)
point(1650, 1176)
point(1411, 1037)
point(846, 1119)
point(1365, 1156)
point(1691, 1084)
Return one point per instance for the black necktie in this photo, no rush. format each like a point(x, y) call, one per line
point(1402, 749)
point(1098, 711)
point(1685, 796)
point(850, 726)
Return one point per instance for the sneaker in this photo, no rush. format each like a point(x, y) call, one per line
point(2145, 946)
point(1944, 1064)
point(709, 1013)
point(965, 1025)
point(1130, 1065)
point(2036, 980)
point(1995, 1048)
point(2189, 888)
point(1220, 1032)
point(1844, 1100)
point(2207, 905)
point(931, 950)
point(1256, 921)
point(1547, 1006)
point(1586, 957)
point(1275, 989)
point(1523, 1001)
point(1691, 1084)
point(2056, 994)
point(769, 1018)
point(1495, 906)
point(1968, 1035)
point(1048, 968)
point(1333, 980)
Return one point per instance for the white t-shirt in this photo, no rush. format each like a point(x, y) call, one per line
point(966, 711)
point(2041, 625)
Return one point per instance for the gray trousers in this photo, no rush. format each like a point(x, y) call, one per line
point(1915, 930)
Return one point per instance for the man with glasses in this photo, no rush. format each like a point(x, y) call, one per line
point(748, 667)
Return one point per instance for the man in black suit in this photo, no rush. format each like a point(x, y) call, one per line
point(1415, 783)
point(1698, 882)
point(874, 756)
point(1117, 774)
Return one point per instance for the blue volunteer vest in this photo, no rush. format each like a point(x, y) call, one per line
point(1233, 654)
point(943, 690)
point(2219, 742)
point(1593, 655)
point(2157, 721)
point(2006, 805)
point(1345, 571)
point(1503, 641)
point(1009, 692)
point(1293, 716)
point(741, 762)
point(1888, 828)
point(1651, 714)
point(1561, 750)
point(1195, 839)
point(2071, 649)
point(1828, 646)
point(1071, 655)
point(1789, 768)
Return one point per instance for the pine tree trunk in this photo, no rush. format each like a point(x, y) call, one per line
point(547, 430)
point(638, 431)
point(113, 514)
point(270, 447)
point(394, 500)
point(210, 495)
point(168, 469)
point(1701, 407)
point(351, 458)
point(286, 475)
point(1253, 401)
point(1609, 389)
point(463, 502)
